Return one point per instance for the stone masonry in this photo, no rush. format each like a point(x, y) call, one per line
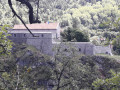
point(47, 35)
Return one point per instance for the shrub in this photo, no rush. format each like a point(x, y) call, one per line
point(71, 34)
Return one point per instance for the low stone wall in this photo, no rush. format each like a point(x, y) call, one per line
point(102, 50)
point(86, 48)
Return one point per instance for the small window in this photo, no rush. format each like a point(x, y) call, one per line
point(42, 35)
point(80, 49)
point(14, 35)
point(106, 53)
point(24, 35)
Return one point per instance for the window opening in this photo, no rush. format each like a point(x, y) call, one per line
point(24, 35)
point(42, 35)
point(14, 35)
point(79, 49)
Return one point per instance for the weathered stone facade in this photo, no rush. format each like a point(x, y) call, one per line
point(53, 28)
point(86, 48)
point(45, 43)
point(102, 50)
point(42, 41)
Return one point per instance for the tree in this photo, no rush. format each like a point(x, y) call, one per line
point(25, 68)
point(116, 45)
point(31, 16)
point(5, 43)
point(72, 71)
point(31, 13)
point(74, 35)
point(112, 83)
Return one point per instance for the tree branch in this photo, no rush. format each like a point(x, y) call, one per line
point(4, 50)
point(3, 82)
point(37, 10)
point(61, 73)
point(30, 15)
point(65, 85)
point(18, 78)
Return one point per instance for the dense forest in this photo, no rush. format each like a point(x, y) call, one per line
point(86, 14)
point(23, 67)
point(26, 68)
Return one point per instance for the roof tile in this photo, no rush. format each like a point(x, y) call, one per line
point(38, 26)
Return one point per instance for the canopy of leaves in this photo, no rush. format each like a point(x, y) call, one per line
point(87, 14)
point(27, 68)
point(74, 35)
point(116, 45)
point(5, 43)
point(112, 83)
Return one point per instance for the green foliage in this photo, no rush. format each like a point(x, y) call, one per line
point(95, 42)
point(24, 68)
point(116, 45)
point(108, 35)
point(97, 83)
point(115, 25)
point(74, 35)
point(112, 83)
point(85, 14)
point(71, 72)
point(5, 43)
point(103, 25)
point(27, 68)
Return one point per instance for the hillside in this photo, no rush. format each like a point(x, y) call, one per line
point(98, 18)
point(78, 71)
point(24, 67)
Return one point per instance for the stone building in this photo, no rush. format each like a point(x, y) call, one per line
point(54, 28)
point(48, 37)
point(42, 42)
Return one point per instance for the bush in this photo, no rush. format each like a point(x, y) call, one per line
point(112, 83)
point(116, 45)
point(74, 35)
point(103, 25)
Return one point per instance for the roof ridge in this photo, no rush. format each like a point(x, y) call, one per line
point(37, 26)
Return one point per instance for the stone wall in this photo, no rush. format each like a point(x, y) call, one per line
point(45, 44)
point(55, 32)
point(102, 50)
point(80, 47)
point(42, 42)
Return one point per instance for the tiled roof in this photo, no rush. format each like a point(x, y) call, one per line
point(38, 26)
